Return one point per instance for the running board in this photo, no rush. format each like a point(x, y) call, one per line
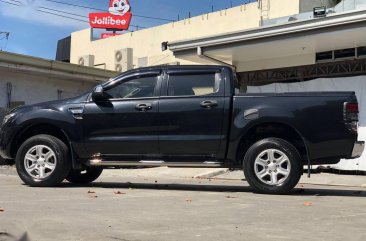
point(157, 163)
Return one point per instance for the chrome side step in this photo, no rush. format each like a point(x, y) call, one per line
point(152, 163)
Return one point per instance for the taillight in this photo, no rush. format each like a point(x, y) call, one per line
point(350, 111)
point(352, 107)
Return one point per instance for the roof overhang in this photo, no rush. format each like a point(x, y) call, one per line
point(42, 67)
point(336, 31)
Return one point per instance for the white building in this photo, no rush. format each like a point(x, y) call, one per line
point(30, 80)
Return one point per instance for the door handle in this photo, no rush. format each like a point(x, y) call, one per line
point(144, 107)
point(209, 104)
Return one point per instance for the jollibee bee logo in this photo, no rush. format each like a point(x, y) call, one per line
point(118, 16)
point(119, 7)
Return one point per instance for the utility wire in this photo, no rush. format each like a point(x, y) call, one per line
point(68, 17)
point(73, 14)
point(55, 10)
point(48, 12)
point(78, 15)
point(64, 16)
point(59, 15)
point(82, 6)
point(15, 4)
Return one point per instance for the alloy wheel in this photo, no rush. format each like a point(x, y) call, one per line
point(272, 167)
point(40, 162)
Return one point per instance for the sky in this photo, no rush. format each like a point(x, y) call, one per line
point(33, 32)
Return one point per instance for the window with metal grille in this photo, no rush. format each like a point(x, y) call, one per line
point(361, 52)
point(345, 53)
point(324, 56)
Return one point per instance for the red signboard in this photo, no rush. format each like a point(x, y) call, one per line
point(108, 35)
point(118, 17)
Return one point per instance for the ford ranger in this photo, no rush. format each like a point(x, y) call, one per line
point(181, 116)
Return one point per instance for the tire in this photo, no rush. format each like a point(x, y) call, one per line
point(272, 166)
point(43, 161)
point(85, 176)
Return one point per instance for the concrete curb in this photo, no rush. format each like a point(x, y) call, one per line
point(332, 184)
point(212, 173)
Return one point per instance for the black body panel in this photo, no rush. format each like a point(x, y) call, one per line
point(169, 125)
point(316, 117)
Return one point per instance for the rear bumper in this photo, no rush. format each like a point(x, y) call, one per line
point(358, 148)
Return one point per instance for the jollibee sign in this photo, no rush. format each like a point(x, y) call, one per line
point(108, 35)
point(118, 17)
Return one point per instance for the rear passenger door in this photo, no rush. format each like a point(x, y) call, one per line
point(191, 112)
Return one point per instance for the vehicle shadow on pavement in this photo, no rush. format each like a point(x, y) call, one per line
point(326, 191)
point(162, 186)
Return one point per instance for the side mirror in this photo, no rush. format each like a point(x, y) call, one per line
point(98, 94)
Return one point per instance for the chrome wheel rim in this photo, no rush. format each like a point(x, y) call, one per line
point(40, 162)
point(272, 167)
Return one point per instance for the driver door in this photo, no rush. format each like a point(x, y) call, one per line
point(126, 123)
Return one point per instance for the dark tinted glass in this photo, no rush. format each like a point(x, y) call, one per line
point(344, 53)
point(361, 52)
point(136, 88)
point(187, 85)
point(324, 56)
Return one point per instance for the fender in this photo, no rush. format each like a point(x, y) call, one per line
point(264, 114)
point(61, 119)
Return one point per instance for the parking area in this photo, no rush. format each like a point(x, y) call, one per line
point(164, 204)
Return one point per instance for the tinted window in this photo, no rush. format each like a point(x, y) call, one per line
point(188, 85)
point(344, 53)
point(324, 56)
point(136, 88)
point(361, 52)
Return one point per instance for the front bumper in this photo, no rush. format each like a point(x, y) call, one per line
point(4, 145)
point(358, 148)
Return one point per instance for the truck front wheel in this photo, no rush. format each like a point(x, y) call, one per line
point(272, 166)
point(85, 176)
point(43, 161)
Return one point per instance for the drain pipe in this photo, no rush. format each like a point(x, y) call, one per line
point(9, 88)
point(201, 54)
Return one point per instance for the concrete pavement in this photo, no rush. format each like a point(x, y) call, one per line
point(221, 173)
point(315, 179)
point(226, 174)
point(139, 205)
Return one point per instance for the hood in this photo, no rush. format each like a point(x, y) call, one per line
point(55, 104)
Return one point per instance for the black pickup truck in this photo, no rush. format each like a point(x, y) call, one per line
point(181, 116)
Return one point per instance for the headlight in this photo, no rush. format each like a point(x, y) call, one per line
point(8, 117)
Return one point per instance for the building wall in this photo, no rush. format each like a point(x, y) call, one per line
point(34, 89)
point(280, 8)
point(147, 42)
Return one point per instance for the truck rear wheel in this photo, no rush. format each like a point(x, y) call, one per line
point(272, 166)
point(43, 161)
point(87, 175)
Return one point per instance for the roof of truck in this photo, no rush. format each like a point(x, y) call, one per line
point(172, 67)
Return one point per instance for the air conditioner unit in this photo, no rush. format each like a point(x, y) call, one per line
point(123, 60)
point(86, 60)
